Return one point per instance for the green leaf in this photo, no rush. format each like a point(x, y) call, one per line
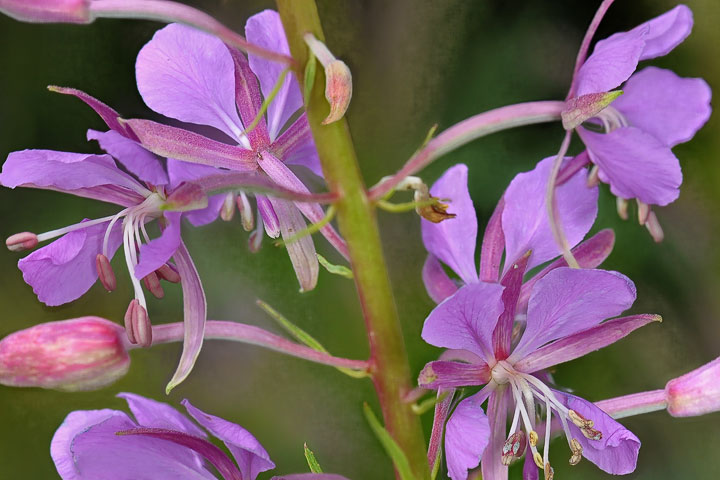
point(309, 81)
point(341, 270)
point(391, 447)
point(312, 461)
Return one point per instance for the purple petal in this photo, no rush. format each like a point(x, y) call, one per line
point(65, 269)
point(589, 254)
point(525, 221)
point(582, 343)
point(74, 424)
point(612, 62)
point(109, 116)
point(669, 107)
point(158, 251)
point(76, 173)
point(265, 29)
point(181, 144)
point(135, 158)
point(152, 414)
point(635, 164)
point(225, 467)
point(493, 245)
point(443, 374)
point(453, 240)
point(440, 415)
point(194, 313)
point(92, 450)
point(466, 320)
point(437, 283)
point(189, 75)
point(568, 300)
point(530, 470)
point(617, 451)
point(249, 101)
point(250, 456)
point(467, 433)
point(302, 250)
point(497, 410)
point(512, 281)
point(665, 32)
point(296, 146)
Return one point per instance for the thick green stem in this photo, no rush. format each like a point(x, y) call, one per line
point(357, 222)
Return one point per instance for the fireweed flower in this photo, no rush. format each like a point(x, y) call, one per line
point(66, 268)
point(657, 111)
point(519, 224)
point(159, 443)
point(193, 77)
point(565, 320)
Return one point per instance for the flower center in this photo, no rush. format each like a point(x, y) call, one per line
point(527, 390)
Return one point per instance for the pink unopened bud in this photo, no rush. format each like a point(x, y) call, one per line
point(47, 11)
point(584, 107)
point(105, 272)
point(80, 354)
point(338, 79)
point(21, 241)
point(696, 392)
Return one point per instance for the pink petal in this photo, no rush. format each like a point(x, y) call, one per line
point(301, 251)
point(444, 374)
point(568, 300)
point(466, 320)
point(467, 433)
point(135, 158)
point(194, 313)
point(497, 410)
point(582, 343)
point(250, 456)
point(65, 269)
point(453, 240)
point(158, 251)
point(525, 221)
point(635, 164)
point(249, 101)
point(612, 62)
point(189, 75)
point(152, 414)
point(669, 107)
point(296, 146)
point(665, 32)
point(265, 29)
point(437, 283)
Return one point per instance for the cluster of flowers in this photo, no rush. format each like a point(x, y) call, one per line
point(503, 327)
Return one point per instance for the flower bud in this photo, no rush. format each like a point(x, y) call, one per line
point(579, 109)
point(80, 354)
point(47, 11)
point(696, 392)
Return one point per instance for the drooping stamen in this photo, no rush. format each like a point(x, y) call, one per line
point(21, 241)
point(152, 283)
point(513, 448)
point(585, 425)
point(129, 329)
point(548, 471)
point(105, 272)
point(255, 239)
point(227, 212)
point(653, 226)
point(622, 207)
point(167, 272)
point(576, 450)
point(246, 214)
point(593, 179)
point(141, 326)
point(643, 212)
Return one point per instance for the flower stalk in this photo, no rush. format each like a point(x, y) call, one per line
point(357, 222)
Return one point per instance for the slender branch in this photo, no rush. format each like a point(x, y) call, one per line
point(468, 130)
point(168, 12)
point(357, 222)
point(250, 334)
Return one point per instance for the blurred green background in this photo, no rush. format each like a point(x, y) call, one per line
point(414, 63)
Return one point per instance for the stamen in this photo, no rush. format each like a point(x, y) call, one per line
point(622, 208)
point(246, 214)
point(653, 226)
point(549, 472)
point(643, 212)
point(152, 283)
point(576, 450)
point(514, 447)
point(593, 179)
point(533, 438)
point(585, 426)
point(166, 272)
point(227, 212)
point(538, 460)
point(105, 272)
point(255, 239)
point(71, 228)
point(21, 241)
point(141, 326)
point(109, 228)
point(129, 329)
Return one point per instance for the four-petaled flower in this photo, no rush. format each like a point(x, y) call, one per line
point(159, 443)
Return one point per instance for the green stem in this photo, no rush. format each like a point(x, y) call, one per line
point(357, 222)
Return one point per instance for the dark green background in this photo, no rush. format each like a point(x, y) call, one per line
point(414, 63)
